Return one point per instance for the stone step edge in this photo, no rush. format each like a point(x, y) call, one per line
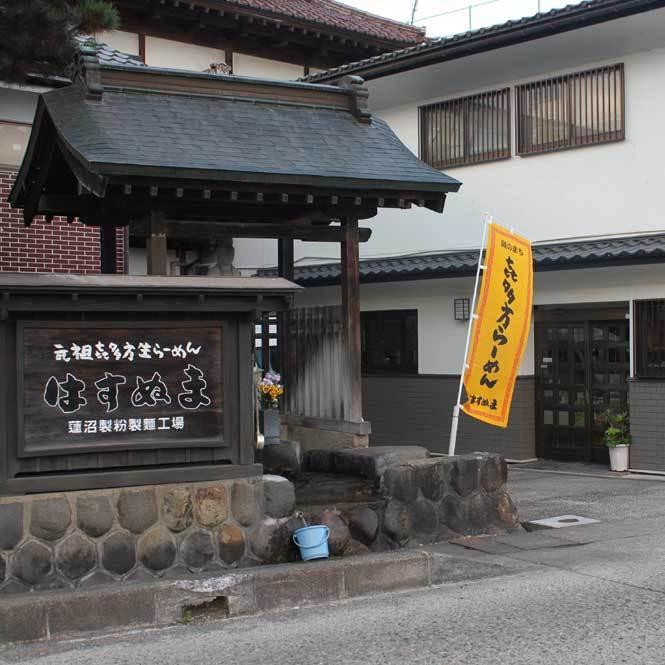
point(57, 614)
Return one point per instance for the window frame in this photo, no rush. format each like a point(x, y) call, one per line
point(15, 123)
point(641, 312)
point(410, 368)
point(462, 104)
point(524, 149)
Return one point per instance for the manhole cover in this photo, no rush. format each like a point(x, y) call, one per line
point(561, 522)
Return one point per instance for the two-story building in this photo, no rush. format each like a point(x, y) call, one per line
point(253, 38)
point(553, 124)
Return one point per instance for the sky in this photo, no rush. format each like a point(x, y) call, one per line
point(445, 17)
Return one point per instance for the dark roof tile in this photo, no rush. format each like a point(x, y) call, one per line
point(547, 256)
point(223, 135)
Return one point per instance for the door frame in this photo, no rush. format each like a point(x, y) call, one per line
point(574, 313)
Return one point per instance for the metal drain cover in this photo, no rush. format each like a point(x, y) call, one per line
point(561, 522)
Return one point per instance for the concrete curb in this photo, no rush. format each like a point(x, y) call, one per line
point(243, 592)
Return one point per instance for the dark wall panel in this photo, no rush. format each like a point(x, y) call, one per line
point(417, 410)
point(646, 400)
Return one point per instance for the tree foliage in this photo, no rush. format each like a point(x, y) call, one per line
point(37, 36)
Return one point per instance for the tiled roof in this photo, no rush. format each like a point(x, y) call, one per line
point(572, 16)
point(339, 16)
point(218, 138)
point(107, 55)
point(547, 256)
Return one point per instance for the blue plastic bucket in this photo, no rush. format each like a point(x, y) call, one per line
point(312, 541)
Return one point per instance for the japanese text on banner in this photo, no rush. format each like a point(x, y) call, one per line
point(502, 328)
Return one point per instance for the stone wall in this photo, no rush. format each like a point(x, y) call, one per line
point(413, 501)
point(75, 539)
point(437, 498)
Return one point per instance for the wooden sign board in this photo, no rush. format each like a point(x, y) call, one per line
point(98, 387)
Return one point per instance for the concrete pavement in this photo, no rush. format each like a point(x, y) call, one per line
point(586, 594)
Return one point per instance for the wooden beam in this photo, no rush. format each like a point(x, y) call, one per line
point(108, 249)
point(353, 411)
point(219, 230)
point(156, 244)
point(285, 269)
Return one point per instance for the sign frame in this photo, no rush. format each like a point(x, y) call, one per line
point(114, 443)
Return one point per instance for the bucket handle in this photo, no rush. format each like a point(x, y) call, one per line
point(295, 538)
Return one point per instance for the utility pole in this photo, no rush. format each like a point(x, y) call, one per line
point(413, 11)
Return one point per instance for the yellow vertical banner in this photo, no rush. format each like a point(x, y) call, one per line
point(501, 329)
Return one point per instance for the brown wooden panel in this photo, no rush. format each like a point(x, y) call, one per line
point(85, 388)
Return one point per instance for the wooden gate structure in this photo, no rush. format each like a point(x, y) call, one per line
point(182, 157)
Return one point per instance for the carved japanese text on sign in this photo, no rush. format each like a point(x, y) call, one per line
point(87, 387)
point(502, 328)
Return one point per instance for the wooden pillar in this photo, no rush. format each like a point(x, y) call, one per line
point(108, 249)
point(155, 243)
point(286, 270)
point(350, 264)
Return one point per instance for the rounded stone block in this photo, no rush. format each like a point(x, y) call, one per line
point(339, 535)
point(197, 549)
point(433, 477)
point(506, 511)
point(453, 515)
point(75, 557)
point(279, 496)
point(137, 511)
point(211, 506)
point(231, 544)
point(363, 523)
point(50, 518)
point(157, 549)
point(465, 476)
point(397, 522)
point(11, 525)
point(424, 519)
point(119, 552)
point(94, 515)
point(244, 503)
point(270, 541)
point(399, 482)
point(177, 511)
point(32, 562)
point(479, 511)
point(493, 472)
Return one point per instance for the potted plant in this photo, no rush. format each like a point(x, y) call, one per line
point(270, 390)
point(617, 439)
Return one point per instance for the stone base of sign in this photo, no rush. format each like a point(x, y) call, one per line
point(311, 438)
point(81, 539)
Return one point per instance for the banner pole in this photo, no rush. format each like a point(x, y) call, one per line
point(456, 409)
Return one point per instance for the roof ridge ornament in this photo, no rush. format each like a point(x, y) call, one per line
point(86, 70)
point(359, 95)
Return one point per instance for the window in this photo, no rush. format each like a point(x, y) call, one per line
point(650, 338)
point(466, 131)
point(571, 111)
point(390, 342)
point(13, 142)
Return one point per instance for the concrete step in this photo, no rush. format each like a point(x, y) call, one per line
point(369, 463)
point(58, 614)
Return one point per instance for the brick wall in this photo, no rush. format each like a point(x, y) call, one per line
point(43, 247)
point(417, 410)
point(646, 401)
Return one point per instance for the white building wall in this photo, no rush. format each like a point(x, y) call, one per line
point(249, 65)
point(127, 42)
point(441, 338)
point(180, 55)
point(592, 191)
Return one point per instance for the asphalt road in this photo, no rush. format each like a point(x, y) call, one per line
point(587, 594)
